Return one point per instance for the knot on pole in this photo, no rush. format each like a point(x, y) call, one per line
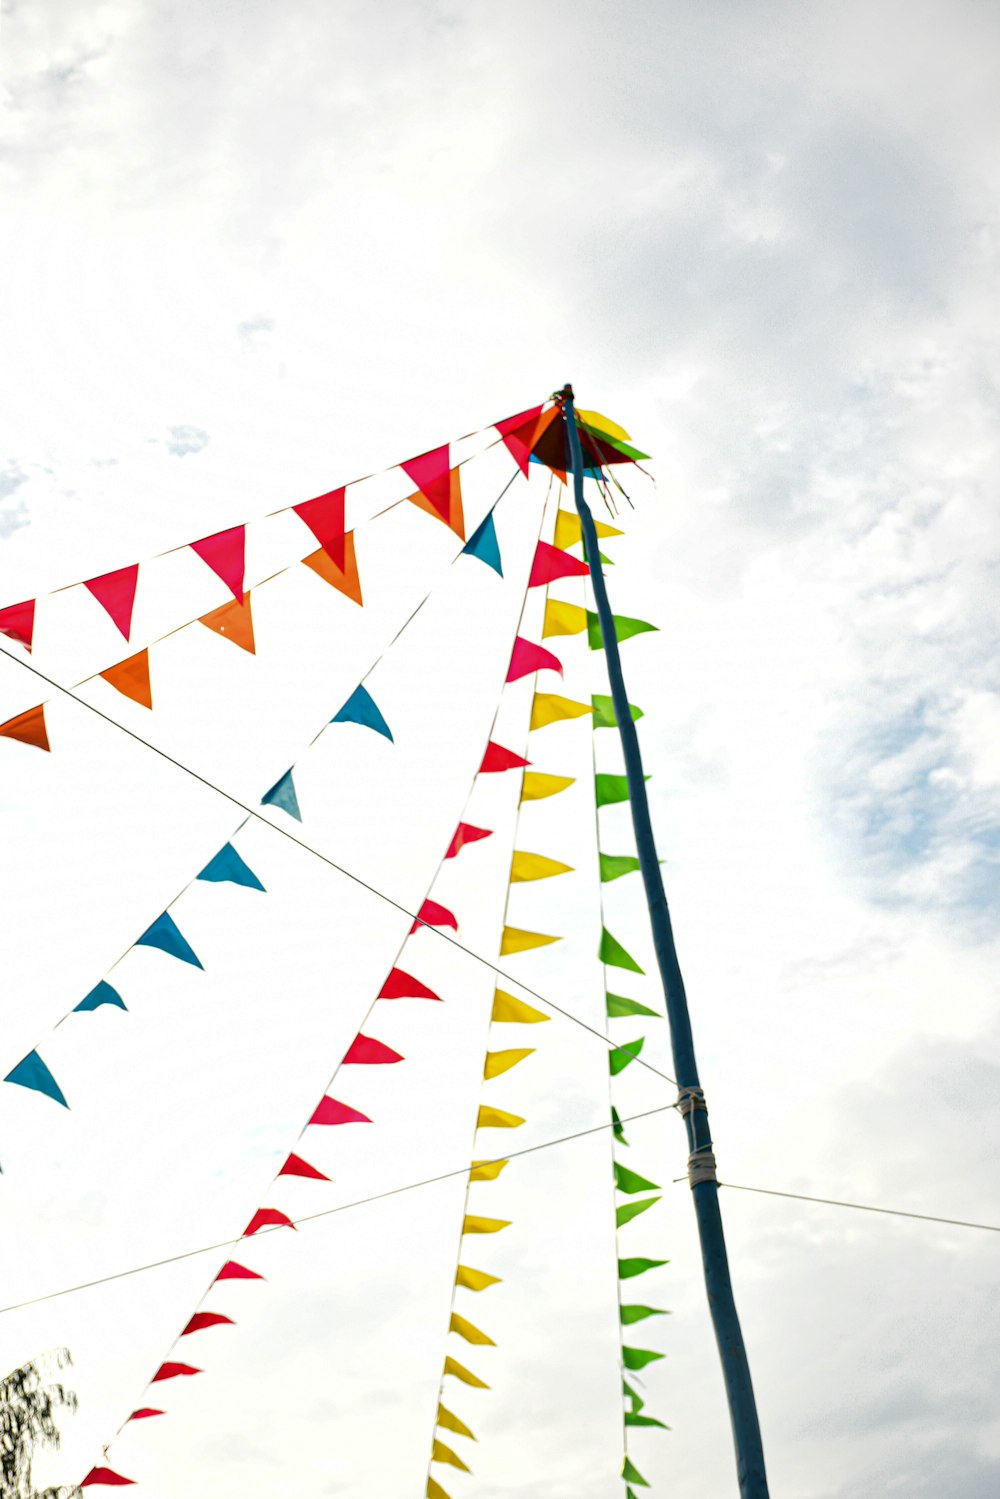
point(701, 1166)
point(689, 1099)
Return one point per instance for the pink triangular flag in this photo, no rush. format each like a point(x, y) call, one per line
point(332, 1111)
point(104, 1475)
point(431, 914)
point(466, 833)
point(173, 1370)
point(517, 432)
point(527, 657)
point(402, 985)
point(17, 621)
point(431, 473)
point(552, 563)
point(224, 553)
point(201, 1320)
point(497, 758)
point(232, 1271)
point(365, 1051)
point(143, 1412)
point(325, 518)
point(296, 1166)
point(264, 1218)
point(116, 592)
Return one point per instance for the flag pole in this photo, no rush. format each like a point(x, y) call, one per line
point(691, 1098)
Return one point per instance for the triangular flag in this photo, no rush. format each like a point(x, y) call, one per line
point(502, 1061)
point(613, 866)
point(476, 1225)
point(525, 866)
point(143, 1412)
point(31, 1072)
point(174, 1370)
point(469, 1332)
point(604, 425)
point(365, 1051)
point(563, 619)
point(569, 529)
point(28, 728)
point(497, 758)
point(435, 1491)
point(638, 1358)
point(296, 1166)
point(630, 1210)
point(486, 1171)
point(633, 1420)
point(466, 833)
point(332, 1111)
point(282, 794)
point(431, 473)
point(625, 628)
point(475, 1280)
point(234, 620)
point(636, 1313)
point(165, 935)
point(508, 1010)
point(442, 1454)
point(360, 708)
point(105, 1476)
point(131, 678)
point(400, 985)
point(228, 866)
point(628, 1268)
point(450, 1422)
point(632, 1474)
point(232, 1271)
point(614, 955)
point(345, 578)
point(201, 1320)
point(621, 1056)
point(536, 785)
point(224, 553)
point(484, 545)
point(618, 1007)
point(454, 516)
point(488, 1118)
point(453, 1367)
point(527, 657)
point(552, 563)
point(17, 622)
point(617, 1128)
point(549, 707)
point(432, 914)
point(611, 788)
point(266, 1218)
point(514, 939)
point(517, 433)
point(631, 1181)
point(325, 518)
point(604, 712)
point(101, 994)
point(116, 593)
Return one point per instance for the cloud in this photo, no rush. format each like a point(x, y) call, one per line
point(186, 439)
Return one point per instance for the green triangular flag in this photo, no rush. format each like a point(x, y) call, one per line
point(631, 1181)
point(613, 866)
point(630, 1210)
point(625, 628)
point(633, 1420)
point(638, 1266)
point(610, 789)
point(604, 711)
point(632, 1474)
point(630, 1314)
point(618, 1007)
point(619, 1059)
point(613, 955)
point(638, 1358)
point(618, 1128)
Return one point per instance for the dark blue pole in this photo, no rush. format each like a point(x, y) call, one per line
point(691, 1099)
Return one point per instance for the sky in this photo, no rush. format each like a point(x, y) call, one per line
point(252, 254)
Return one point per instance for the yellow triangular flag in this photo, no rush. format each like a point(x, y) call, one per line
point(550, 707)
point(525, 866)
point(514, 939)
point(435, 1491)
point(569, 531)
point(465, 1330)
point(452, 1366)
point(510, 1011)
point(563, 619)
point(486, 1171)
point(503, 1061)
point(603, 424)
point(535, 785)
point(442, 1454)
point(475, 1280)
point(473, 1225)
point(451, 1422)
point(497, 1119)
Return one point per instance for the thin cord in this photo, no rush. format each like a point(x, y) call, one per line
point(861, 1207)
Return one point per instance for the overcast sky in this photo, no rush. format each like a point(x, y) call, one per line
point(255, 251)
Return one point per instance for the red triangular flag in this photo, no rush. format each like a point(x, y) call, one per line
point(552, 563)
point(264, 1217)
point(206, 1319)
point(517, 432)
point(131, 678)
point(296, 1166)
point(527, 657)
point(232, 1271)
point(143, 1412)
point(366, 1052)
point(466, 833)
point(18, 621)
point(400, 985)
point(104, 1475)
point(431, 473)
point(116, 592)
point(454, 515)
point(431, 914)
point(332, 1111)
point(224, 553)
point(497, 758)
point(173, 1371)
point(325, 518)
point(28, 727)
point(234, 620)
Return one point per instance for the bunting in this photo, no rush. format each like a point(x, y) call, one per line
point(28, 728)
point(17, 622)
point(484, 545)
point(224, 554)
point(233, 621)
point(552, 563)
point(115, 592)
point(527, 658)
point(360, 708)
point(325, 518)
point(549, 707)
point(131, 678)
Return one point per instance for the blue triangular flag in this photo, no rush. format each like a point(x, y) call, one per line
point(33, 1073)
point(361, 708)
point(282, 794)
point(483, 544)
point(164, 935)
point(227, 865)
point(103, 994)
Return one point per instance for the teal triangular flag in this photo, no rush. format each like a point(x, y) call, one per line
point(165, 935)
point(360, 708)
point(604, 711)
point(102, 994)
point(227, 865)
point(282, 794)
point(483, 544)
point(33, 1073)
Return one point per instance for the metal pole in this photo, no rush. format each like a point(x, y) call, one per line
point(691, 1100)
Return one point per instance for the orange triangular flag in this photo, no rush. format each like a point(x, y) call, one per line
point(28, 727)
point(455, 517)
point(131, 678)
point(235, 621)
point(345, 578)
